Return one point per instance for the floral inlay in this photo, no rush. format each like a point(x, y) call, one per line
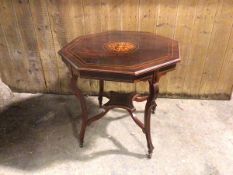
point(120, 47)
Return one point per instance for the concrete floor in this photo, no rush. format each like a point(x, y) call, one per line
point(191, 137)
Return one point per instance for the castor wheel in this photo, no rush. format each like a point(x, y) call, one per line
point(149, 155)
point(153, 109)
point(81, 145)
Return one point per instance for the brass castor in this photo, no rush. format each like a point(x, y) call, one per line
point(149, 155)
point(81, 145)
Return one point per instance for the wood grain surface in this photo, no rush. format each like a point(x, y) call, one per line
point(32, 31)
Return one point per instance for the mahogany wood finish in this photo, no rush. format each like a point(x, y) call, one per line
point(121, 56)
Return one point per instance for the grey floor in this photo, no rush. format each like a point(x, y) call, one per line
point(191, 137)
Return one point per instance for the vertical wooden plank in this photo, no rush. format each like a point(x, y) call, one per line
point(45, 43)
point(29, 42)
point(20, 67)
point(6, 67)
point(63, 20)
point(201, 34)
point(166, 27)
point(92, 15)
point(110, 15)
point(74, 23)
point(217, 48)
point(78, 29)
point(130, 14)
point(10, 39)
point(111, 20)
point(57, 11)
point(148, 13)
point(183, 33)
point(225, 79)
point(130, 21)
point(92, 10)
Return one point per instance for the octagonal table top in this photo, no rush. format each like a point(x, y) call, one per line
point(124, 52)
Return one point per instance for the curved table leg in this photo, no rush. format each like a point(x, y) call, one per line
point(136, 120)
point(150, 105)
point(79, 95)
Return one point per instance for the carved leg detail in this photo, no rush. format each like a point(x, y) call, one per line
point(154, 108)
point(79, 95)
point(150, 106)
point(101, 90)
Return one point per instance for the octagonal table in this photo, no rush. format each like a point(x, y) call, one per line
point(121, 56)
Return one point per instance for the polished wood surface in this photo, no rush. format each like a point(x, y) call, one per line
point(90, 54)
point(124, 57)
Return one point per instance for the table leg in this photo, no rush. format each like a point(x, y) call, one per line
point(144, 98)
point(150, 105)
point(79, 95)
point(101, 90)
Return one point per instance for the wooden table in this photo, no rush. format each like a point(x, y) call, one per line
point(121, 56)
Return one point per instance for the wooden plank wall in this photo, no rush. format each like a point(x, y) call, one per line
point(32, 31)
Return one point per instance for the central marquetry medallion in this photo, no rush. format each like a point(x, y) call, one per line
point(120, 47)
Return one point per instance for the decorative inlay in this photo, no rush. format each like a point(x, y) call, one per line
point(134, 53)
point(120, 47)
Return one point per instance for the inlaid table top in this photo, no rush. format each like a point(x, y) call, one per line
point(125, 53)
